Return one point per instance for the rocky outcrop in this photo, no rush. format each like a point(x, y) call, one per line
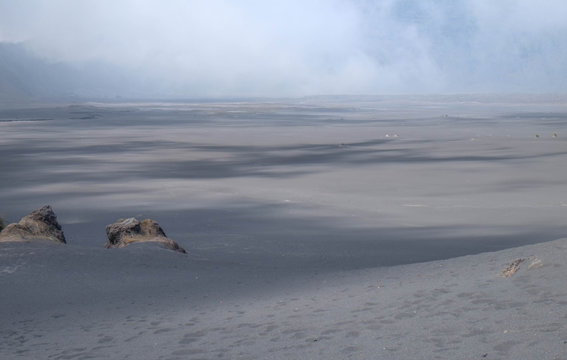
point(39, 225)
point(125, 232)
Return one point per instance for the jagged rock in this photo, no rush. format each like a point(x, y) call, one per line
point(38, 225)
point(125, 232)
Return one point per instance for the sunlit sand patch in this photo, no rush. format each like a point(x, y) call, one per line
point(535, 264)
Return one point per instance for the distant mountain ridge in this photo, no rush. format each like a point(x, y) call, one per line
point(25, 76)
point(12, 84)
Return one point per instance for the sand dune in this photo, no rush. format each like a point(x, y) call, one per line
point(311, 234)
point(65, 303)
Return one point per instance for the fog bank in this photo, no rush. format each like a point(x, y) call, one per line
point(295, 48)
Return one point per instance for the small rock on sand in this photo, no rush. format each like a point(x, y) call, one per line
point(40, 224)
point(125, 232)
point(512, 268)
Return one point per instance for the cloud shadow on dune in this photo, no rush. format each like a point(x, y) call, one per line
point(74, 161)
point(269, 237)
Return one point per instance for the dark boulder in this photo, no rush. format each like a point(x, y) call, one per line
point(125, 232)
point(38, 225)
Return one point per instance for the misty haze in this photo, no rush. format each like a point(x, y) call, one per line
point(343, 179)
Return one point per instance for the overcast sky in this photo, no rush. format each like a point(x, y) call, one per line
point(305, 47)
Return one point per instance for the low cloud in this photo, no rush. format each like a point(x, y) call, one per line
point(293, 48)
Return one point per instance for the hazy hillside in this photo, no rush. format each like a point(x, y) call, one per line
point(25, 76)
point(12, 84)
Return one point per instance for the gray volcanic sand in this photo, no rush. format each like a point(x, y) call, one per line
point(317, 228)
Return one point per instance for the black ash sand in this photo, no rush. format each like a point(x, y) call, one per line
point(316, 228)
